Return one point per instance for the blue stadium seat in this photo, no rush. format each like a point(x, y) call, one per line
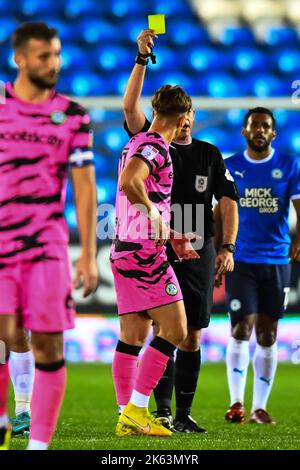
point(166, 59)
point(289, 141)
point(236, 35)
point(6, 57)
point(114, 138)
point(70, 214)
point(281, 116)
point(264, 85)
point(82, 84)
point(97, 115)
point(118, 82)
point(6, 76)
point(246, 59)
point(106, 191)
point(103, 165)
point(112, 57)
point(32, 9)
point(8, 8)
point(174, 78)
point(175, 8)
point(89, 8)
point(235, 117)
point(96, 31)
point(203, 59)
point(7, 26)
point(235, 142)
point(295, 141)
point(293, 119)
point(202, 116)
point(278, 37)
point(221, 85)
point(186, 33)
point(213, 135)
point(129, 29)
point(287, 60)
point(123, 8)
point(73, 58)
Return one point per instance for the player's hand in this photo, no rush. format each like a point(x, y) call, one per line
point(86, 273)
point(145, 41)
point(219, 280)
point(162, 232)
point(183, 246)
point(294, 251)
point(224, 263)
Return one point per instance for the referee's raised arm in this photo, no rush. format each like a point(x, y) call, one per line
point(134, 115)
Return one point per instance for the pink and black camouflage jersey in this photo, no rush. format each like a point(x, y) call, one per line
point(133, 229)
point(142, 273)
point(38, 142)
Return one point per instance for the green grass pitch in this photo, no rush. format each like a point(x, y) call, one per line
point(89, 414)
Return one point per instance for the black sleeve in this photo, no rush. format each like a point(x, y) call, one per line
point(225, 185)
point(145, 127)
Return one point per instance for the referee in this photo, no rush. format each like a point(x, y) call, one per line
point(199, 174)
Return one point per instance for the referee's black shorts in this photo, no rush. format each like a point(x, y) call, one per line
point(196, 279)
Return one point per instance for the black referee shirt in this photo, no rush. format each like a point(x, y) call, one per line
point(199, 174)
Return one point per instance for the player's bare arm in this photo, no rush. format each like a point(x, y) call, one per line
point(228, 215)
point(84, 184)
point(132, 181)
point(294, 252)
point(134, 114)
point(218, 228)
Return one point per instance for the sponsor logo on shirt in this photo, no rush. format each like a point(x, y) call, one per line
point(277, 174)
point(235, 305)
point(171, 289)
point(149, 152)
point(240, 173)
point(201, 183)
point(31, 137)
point(261, 199)
point(58, 117)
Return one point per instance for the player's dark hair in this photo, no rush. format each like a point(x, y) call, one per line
point(171, 100)
point(259, 110)
point(32, 30)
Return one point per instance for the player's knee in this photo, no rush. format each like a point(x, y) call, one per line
point(20, 342)
point(133, 338)
point(266, 338)
point(47, 349)
point(178, 335)
point(242, 331)
point(190, 343)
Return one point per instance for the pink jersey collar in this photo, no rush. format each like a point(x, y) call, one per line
point(11, 91)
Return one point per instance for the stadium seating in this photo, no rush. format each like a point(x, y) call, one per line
point(232, 37)
point(214, 48)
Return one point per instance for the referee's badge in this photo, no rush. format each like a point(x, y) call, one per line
point(201, 183)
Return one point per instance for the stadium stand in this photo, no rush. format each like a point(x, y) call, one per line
point(213, 48)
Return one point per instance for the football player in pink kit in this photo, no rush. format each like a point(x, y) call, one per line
point(41, 134)
point(146, 286)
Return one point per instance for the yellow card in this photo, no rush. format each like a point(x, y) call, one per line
point(157, 22)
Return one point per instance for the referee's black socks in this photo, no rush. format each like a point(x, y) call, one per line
point(164, 389)
point(187, 368)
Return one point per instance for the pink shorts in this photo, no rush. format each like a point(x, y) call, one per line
point(144, 280)
point(40, 291)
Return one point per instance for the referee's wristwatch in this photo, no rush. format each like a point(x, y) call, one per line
point(229, 247)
